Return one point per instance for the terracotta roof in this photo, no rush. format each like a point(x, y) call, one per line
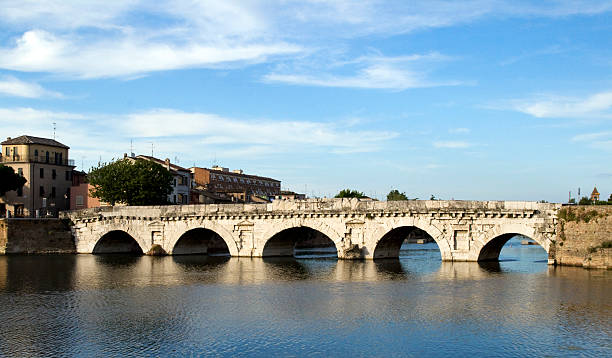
point(27, 139)
point(163, 162)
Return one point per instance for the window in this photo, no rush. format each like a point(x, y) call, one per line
point(8, 151)
point(53, 192)
point(79, 201)
point(67, 175)
point(60, 159)
point(53, 174)
point(174, 199)
point(47, 157)
point(15, 152)
point(35, 155)
point(41, 191)
point(180, 198)
point(42, 173)
point(55, 158)
point(175, 185)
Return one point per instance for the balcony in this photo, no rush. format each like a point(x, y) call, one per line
point(35, 159)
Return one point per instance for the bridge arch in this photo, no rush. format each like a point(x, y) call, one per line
point(489, 246)
point(117, 242)
point(208, 227)
point(200, 241)
point(387, 240)
point(275, 243)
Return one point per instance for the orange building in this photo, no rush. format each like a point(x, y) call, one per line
point(79, 192)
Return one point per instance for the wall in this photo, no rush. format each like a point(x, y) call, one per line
point(82, 190)
point(35, 236)
point(581, 233)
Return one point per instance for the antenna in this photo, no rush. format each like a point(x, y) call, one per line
point(54, 126)
point(151, 149)
point(131, 147)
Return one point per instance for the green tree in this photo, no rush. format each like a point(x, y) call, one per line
point(396, 195)
point(9, 180)
point(348, 193)
point(138, 182)
point(610, 199)
point(585, 201)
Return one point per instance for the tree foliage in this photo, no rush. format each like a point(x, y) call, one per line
point(348, 193)
point(9, 180)
point(138, 182)
point(395, 195)
point(585, 201)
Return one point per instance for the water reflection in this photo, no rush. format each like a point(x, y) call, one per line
point(202, 305)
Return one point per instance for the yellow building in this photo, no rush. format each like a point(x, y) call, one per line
point(45, 165)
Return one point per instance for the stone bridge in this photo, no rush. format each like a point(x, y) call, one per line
point(463, 230)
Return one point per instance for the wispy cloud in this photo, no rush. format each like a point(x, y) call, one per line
point(452, 144)
point(11, 86)
point(372, 72)
point(598, 105)
point(41, 51)
point(190, 133)
point(94, 39)
point(597, 140)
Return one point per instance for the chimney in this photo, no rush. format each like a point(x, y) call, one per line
point(124, 155)
point(8, 138)
point(167, 161)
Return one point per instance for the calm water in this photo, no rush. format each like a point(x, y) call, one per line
point(198, 305)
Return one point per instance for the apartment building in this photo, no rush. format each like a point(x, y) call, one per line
point(235, 183)
point(44, 163)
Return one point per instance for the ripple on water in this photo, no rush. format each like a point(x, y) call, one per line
point(199, 305)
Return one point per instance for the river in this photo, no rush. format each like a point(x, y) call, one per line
point(87, 305)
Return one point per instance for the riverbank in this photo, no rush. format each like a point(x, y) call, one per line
point(35, 236)
point(584, 237)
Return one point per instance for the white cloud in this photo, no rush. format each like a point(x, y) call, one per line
point(587, 137)
point(188, 134)
point(41, 51)
point(374, 72)
point(451, 144)
point(598, 140)
point(216, 130)
point(12, 86)
point(95, 38)
point(596, 105)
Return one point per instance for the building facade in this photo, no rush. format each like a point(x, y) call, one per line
point(45, 165)
point(181, 183)
point(235, 183)
point(79, 193)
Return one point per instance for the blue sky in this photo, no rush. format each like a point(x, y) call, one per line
point(482, 99)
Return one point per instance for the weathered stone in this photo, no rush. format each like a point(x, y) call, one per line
point(35, 236)
point(463, 230)
point(582, 232)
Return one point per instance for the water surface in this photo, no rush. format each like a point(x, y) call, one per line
point(117, 305)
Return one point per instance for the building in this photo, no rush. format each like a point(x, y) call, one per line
point(44, 163)
point(79, 193)
point(595, 195)
point(235, 183)
point(289, 195)
point(181, 184)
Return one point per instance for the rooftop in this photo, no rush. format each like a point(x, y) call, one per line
point(27, 139)
point(163, 162)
